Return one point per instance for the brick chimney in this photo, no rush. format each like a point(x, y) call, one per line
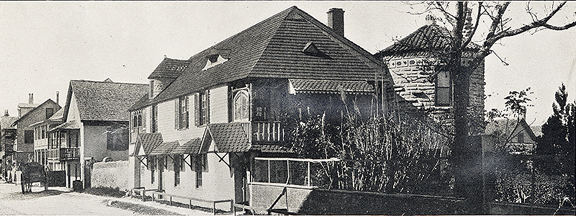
point(30, 98)
point(336, 20)
point(6, 112)
point(58, 97)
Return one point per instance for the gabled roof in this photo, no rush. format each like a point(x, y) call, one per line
point(228, 137)
point(104, 101)
point(508, 127)
point(169, 68)
point(428, 38)
point(35, 108)
point(274, 48)
point(148, 142)
point(7, 121)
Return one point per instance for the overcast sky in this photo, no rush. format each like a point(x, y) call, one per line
point(44, 45)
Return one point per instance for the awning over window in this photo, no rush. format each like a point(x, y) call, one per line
point(165, 148)
point(67, 126)
point(190, 147)
point(228, 137)
point(271, 148)
point(147, 142)
point(307, 86)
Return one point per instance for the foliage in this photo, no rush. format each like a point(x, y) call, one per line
point(105, 191)
point(464, 20)
point(516, 186)
point(558, 137)
point(393, 154)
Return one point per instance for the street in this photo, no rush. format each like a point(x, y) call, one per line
point(55, 201)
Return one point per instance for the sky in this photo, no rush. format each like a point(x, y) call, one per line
point(44, 45)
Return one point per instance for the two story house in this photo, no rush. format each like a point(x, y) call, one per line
point(206, 118)
point(411, 62)
point(24, 148)
point(94, 126)
point(7, 138)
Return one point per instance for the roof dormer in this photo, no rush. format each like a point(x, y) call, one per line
point(215, 58)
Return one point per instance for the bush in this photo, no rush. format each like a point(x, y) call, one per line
point(105, 191)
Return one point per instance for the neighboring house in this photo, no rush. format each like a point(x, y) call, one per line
point(7, 139)
point(407, 60)
point(514, 134)
point(95, 125)
point(24, 147)
point(45, 142)
point(206, 118)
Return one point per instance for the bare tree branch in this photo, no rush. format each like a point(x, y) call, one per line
point(475, 26)
point(536, 24)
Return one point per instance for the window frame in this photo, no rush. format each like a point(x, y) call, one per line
point(29, 136)
point(182, 113)
point(52, 112)
point(245, 107)
point(437, 100)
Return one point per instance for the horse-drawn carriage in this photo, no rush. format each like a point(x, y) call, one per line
point(33, 172)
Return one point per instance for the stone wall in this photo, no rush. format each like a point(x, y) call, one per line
point(414, 89)
point(111, 174)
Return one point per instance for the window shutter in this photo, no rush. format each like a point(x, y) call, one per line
point(176, 115)
point(197, 113)
point(187, 112)
point(144, 118)
point(207, 107)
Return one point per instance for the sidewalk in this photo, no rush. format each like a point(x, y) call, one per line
point(137, 206)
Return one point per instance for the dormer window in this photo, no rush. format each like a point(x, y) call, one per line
point(311, 49)
point(213, 60)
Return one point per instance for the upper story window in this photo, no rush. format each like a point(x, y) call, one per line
point(49, 112)
point(521, 138)
point(443, 89)
point(154, 119)
point(151, 93)
point(241, 106)
point(29, 136)
point(202, 108)
point(182, 112)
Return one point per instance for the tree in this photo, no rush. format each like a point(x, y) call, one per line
point(465, 20)
point(558, 137)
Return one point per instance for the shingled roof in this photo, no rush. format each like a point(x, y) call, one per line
point(148, 142)
point(229, 137)
point(169, 68)
point(274, 48)
point(508, 127)
point(330, 86)
point(7, 121)
point(428, 38)
point(104, 101)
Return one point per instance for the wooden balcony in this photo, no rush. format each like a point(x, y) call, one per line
point(267, 131)
point(63, 154)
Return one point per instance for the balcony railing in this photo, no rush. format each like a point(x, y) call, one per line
point(267, 131)
point(63, 154)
